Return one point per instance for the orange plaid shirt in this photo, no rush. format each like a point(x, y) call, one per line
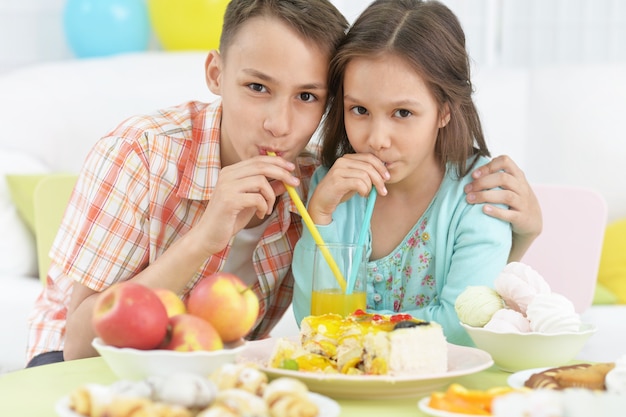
point(142, 187)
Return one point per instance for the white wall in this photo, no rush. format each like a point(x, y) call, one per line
point(577, 135)
point(558, 67)
point(509, 33)
point(31, 31)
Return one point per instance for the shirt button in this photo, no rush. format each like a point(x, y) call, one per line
point(378, 278)
point(377, 298)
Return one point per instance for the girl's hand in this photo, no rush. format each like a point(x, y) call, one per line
point(350, 174)
point(524, 212)
point(243, 190)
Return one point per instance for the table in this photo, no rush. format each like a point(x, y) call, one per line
point(35, 391)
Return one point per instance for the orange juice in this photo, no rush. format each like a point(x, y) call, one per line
point(333, 300)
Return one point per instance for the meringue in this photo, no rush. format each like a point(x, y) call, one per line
point(518, 284)
point(552, 313)
point(507, 320)
point(477, 304)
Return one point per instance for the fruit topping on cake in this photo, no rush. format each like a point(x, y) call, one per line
point(362, 343)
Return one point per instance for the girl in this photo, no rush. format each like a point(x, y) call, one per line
point(402, 120)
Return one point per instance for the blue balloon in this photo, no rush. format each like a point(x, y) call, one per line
point(106, 27)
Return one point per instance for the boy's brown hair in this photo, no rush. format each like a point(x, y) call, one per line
point(316, 20)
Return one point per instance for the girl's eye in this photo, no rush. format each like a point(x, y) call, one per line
point(259, 88)
point(402, 113)
point(307, 97)
point(359, 110)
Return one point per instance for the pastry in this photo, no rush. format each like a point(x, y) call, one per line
point(288, 397)
point(237, 402)
point(81, 401)
point(591, 377)
point(183, 389)
point(242, 376)
point(99, 401)
point(582, 375)
point(243, 391)
point(176, 395)
point(142, 407)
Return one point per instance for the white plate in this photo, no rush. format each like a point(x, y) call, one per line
point(327, 406)
point(423, 405)
point(517, 379)
point(461, 361)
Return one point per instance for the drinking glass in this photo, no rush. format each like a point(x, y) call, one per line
point(328, 296)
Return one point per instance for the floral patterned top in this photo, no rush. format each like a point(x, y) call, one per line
point(453, 245)
point(403, 280)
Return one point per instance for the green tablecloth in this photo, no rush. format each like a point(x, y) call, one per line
point(34, 392)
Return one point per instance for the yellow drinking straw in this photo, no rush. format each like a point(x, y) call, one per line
point(308, 221)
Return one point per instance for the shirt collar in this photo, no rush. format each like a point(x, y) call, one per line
point(203, 163)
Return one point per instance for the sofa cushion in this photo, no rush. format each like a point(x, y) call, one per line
point(22, 189)
point(17, 297)
point(17, 245)
point(603, 296)
point(612, 271)
point(68, 105)
point(41, 200)
point(50, 200)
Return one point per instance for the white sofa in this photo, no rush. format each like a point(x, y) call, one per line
point(51, 114)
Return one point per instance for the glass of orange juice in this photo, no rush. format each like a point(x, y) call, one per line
point(328, 296)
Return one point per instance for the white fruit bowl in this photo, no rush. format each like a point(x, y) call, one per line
point(136, 364)
point(514, 352)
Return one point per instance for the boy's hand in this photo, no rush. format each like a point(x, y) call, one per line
point(243, 190)
point(524, 211)
point(350, 174)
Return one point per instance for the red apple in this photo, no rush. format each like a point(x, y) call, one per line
point(130, 315)
point(172, 302)
point(227, 303)
point(188, 333)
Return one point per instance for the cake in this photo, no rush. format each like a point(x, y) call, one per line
point(370, 344)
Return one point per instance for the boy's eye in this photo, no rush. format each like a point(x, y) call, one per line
point(402, 113)
point(259, 88)
point(307, 97)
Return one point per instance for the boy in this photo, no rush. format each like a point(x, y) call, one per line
point(168, 198)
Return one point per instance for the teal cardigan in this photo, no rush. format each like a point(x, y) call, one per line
point(452, 246)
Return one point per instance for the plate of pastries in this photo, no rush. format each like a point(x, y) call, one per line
point(233, 389)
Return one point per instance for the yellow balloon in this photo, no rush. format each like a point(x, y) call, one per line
point(187, 24)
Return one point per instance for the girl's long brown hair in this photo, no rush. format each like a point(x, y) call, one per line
point(430, 38)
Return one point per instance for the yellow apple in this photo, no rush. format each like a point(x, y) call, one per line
point(227, 303)
point(188, 333)
point(172, 302)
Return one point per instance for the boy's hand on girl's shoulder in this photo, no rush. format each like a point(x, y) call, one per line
point(501, 181)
